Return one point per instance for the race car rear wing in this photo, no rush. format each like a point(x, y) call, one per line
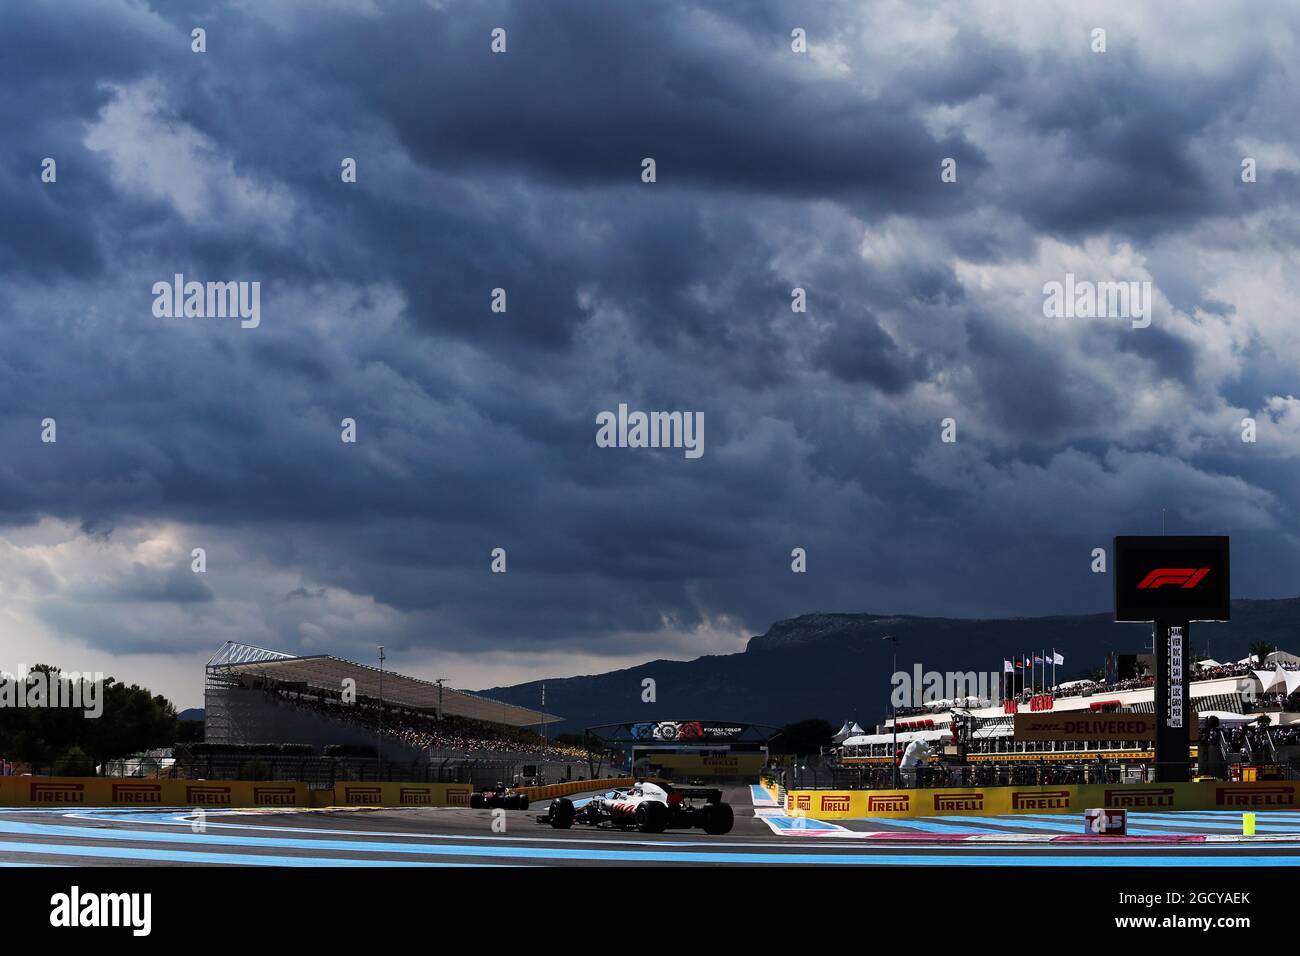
point(708, 794)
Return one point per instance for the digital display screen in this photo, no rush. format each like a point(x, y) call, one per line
point(1173, 578)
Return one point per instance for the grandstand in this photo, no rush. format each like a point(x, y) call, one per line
point(1248, 721)
point(256, 696)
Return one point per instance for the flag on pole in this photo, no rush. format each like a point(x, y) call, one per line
point(1006, 667)
point(1058, 657)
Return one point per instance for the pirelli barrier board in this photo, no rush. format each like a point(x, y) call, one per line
point(135, 792)
point(394, 795)
point(568, 788)
point(993, 801)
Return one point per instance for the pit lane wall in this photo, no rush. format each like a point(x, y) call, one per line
point(138, 792)
point(993, 801)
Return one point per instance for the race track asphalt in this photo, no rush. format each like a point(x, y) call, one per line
point(464, 837)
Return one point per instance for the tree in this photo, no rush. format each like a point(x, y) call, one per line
point(75, 762)
point(131, 720)
point(1260, 650)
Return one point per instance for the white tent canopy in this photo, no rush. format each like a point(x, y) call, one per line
point(1071, 684)
point(1228, 717)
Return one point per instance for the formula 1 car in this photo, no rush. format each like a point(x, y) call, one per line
point(499, 797)
point(648, 807)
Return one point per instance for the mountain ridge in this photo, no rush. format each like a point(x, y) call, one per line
point(835, 664)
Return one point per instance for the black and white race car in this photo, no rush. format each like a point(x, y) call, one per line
point(647, 807)
point(499, 797)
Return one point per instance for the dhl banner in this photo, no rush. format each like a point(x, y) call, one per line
point(993, 801)
point(1084, 725)
point(217, 794)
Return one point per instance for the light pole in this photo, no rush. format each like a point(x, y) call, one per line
point(893, 641)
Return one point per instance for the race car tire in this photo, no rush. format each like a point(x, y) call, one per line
point(652, 818)
point(562, 813)
point(523, 802)
point(476, 801)
point(717, 818)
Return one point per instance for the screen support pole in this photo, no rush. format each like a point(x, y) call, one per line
point(1173, 708)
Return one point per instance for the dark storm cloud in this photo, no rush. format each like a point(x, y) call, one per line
point(522, 171)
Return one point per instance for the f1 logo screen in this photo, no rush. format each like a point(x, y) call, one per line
point(1171, 578)
point(1181, 577)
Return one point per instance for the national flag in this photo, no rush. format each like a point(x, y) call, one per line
point(1057, 657)
point(1038, 658)
point(1006, 667)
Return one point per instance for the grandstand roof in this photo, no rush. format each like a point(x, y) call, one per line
point(328, 673)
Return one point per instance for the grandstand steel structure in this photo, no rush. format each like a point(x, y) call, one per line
point(237, 713)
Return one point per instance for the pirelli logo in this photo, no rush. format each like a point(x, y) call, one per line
point(1281, 795)
point(363, 796)
point(801, 801)
point(415, 796)
point(1040, 800)
point(458, 796)
point(137, 793)
point(208, 796)
point(958, 802)
point(1140, 797)
point(835, 803)
point(57, 793)
point(888, 803)
point(275, 796)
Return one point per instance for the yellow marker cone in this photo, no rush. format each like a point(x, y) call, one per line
point(1248, 824)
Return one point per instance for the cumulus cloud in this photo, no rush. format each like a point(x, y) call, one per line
point(476, 429)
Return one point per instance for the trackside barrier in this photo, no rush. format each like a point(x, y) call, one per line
point(567, 789)
point(137, 792)
point(995, 801)
point(393, 795)
point(772, 787)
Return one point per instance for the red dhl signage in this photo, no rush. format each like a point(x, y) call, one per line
point(835, 803)
point(1279, 795)
point(57, 793)
point(1040, 800)
point(137, 793)
point(210, 795)
point(958, 802)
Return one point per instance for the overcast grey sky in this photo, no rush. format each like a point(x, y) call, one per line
point(522, 170)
